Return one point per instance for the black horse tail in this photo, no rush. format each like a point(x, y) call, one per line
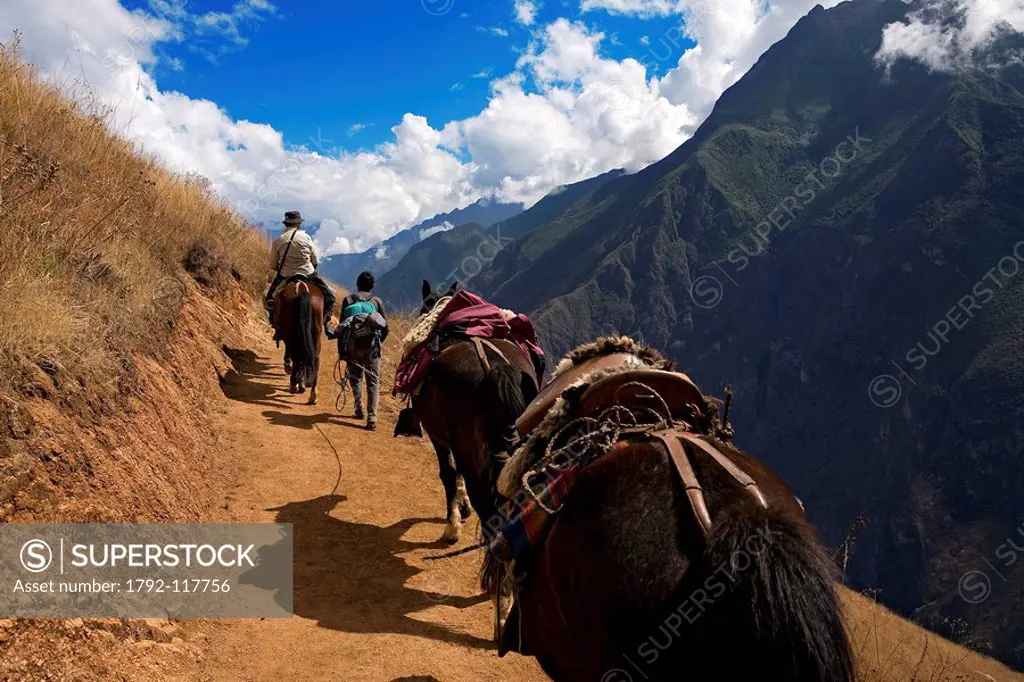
point(304, 355)
point(771, 566)
point(505, 392)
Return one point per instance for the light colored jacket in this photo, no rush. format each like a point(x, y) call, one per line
point(302, 257)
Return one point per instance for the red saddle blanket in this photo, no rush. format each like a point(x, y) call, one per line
point(466, 315)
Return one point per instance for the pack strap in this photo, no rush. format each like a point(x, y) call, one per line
point(480, 344)
point(673, 439)
point(287, 248)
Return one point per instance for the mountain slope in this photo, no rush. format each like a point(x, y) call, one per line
point(824, 221)
point(458, 253)
point(553, 205)
point(344, 268)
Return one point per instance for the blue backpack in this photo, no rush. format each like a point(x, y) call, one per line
point(358, 308)
point(360, 327)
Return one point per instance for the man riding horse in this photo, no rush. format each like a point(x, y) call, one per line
point(294, 254)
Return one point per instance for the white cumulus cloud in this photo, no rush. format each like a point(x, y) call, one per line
point(947, 35)
point(730, 35)
point(431, 231)
point(525, 11)
point(566, 112)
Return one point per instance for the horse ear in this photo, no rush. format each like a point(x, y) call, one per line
point(427, 289)
point(453, 288)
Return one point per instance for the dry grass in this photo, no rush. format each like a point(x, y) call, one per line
point(399, 325)
point(96, 239)
point(891, 649)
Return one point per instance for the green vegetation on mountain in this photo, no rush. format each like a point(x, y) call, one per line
point(344, 268)
point(455, 254)
point(827, 218)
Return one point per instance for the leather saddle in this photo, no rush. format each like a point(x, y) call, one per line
point(631, 386)
point(284, 283)
point(671, 396)
point(295, 278)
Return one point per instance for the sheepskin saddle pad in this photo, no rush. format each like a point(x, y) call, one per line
point(613, 371)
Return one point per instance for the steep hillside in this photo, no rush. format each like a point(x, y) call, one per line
point(455, 254)
point(125, 293)
point(842, 246)
point(553, 205)
point(344, 268)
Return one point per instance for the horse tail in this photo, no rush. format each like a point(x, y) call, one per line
point(776, 571)
point(506, 390)
point(503, 388)
point(304, 355)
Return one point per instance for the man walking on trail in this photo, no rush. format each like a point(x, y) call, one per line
point(362, 330)
point(294, 253)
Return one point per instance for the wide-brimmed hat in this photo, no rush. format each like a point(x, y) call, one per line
point(293, 218)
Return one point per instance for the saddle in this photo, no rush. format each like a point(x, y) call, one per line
point(626, 381)
point(677, 416)
point(278, 286)
point(293, 279)
point(632, 387)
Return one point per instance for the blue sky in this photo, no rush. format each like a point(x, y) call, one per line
point(348, 71)
point(371, 116)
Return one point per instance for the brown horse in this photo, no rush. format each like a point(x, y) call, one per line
point(624, 582)
point(628, 585)
point(468, 411)
point(298, 321)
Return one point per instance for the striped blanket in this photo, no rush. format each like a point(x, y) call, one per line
point(529, 513)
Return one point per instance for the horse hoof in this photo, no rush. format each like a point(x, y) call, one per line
point(451, 535)
point(465, 511)
point(311, 401)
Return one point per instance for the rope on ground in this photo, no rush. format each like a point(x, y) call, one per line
point(457, 552)
point(340, 379)
point(336, 456)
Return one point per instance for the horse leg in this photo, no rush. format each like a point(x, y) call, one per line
point(462, 499)
point(450, 479)
point(316, 376)
point(293, 379)
point(288, 364)
point(502, 600)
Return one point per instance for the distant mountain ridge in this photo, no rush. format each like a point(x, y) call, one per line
point(823, 223)
point(443, 257)
point(466, 251)
point(344, 268)
point(554, 203)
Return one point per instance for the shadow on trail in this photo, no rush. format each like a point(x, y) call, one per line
point(253, 379)
point(348, 576)
point(296, 420)
point(307, 421)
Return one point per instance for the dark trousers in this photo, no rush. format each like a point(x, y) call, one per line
point(368, 364)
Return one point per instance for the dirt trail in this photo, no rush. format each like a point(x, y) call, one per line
point(367, 605)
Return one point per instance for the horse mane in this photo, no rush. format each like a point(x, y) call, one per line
point(606, 345)
point(424, 326)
